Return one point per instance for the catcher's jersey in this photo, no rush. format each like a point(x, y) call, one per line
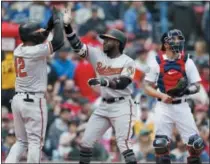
point(110, 68)
point(190, 68)
point(31, 67)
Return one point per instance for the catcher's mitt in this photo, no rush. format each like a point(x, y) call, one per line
point(179, 89)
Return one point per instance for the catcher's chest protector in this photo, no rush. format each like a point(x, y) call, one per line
point(170, 72)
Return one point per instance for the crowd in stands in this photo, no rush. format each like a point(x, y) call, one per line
point(71, 101)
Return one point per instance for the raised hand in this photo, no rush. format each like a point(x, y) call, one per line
point(67, 17)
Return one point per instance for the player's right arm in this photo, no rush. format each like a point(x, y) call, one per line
point(149, 84)
point(58, 37)
point(84, 51)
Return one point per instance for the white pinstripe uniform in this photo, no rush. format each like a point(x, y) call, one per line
point(29, 104)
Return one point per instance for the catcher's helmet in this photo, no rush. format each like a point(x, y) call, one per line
point(30, 31)
point(118, 35)
point(169, 37)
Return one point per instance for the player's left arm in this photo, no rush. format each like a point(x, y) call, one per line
point(193, 78)
point(119, 83)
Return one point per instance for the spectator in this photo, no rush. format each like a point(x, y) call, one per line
point(64, 67)
point(143, 148)
point(180, 152)
point(6, 126)
point(141, 65)
point(10, 140)
point(91, 38)
point(40, 12)
point(19, 12)
point(115, 155)
point(84, 71)
point(132, 14)
point(201, 56)
point(85, 12)
point(205, 77)
point(99, 25)
point(205, 24)
point(200, 115)
point(52, 75)
point(64, 147)
point(204, 133)
point(183, 12)
point(8, 80)
point(114, 10)
point(59, 125)
point(143, 28)
point(146, 121)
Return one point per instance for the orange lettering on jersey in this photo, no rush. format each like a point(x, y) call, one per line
point(106, 70)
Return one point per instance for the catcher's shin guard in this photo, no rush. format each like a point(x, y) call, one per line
point(195, 147)
point(161, 145)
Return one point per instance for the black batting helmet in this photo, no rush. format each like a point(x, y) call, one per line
point(30, 32)
point(118, 35)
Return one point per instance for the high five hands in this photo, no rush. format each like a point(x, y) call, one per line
point(67, 16)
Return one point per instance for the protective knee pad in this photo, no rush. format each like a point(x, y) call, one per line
point(195, 145)
point(161, 145)
point(129, 157)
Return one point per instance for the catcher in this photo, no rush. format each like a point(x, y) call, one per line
point(176, 77)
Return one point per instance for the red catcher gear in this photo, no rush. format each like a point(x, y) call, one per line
point(170, 71)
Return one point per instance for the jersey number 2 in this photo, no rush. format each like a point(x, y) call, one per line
point(19, 66)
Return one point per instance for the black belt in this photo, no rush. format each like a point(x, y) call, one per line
point(112, 99)
point(175, 101)
point(30, 93)
point(28, 99)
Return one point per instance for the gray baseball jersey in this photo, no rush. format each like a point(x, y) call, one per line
point(30, 109)
point(111, 68)
point(119, 115)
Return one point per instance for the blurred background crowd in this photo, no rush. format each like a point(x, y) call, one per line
point(71, 101)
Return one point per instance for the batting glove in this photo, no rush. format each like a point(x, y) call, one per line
point(98, 82)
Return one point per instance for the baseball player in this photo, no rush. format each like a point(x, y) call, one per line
point(29, 104)
point(176, 77)
point(114, 71)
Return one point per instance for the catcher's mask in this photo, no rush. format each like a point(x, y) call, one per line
point(32, 32)
point(175, 39)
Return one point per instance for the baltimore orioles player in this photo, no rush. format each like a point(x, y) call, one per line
point(29, 104)
point(114, 71)
point(176, 76)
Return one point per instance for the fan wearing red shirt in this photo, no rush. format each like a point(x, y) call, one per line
point(84, 71)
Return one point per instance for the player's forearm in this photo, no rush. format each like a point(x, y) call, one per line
point(150, 91)
point(58, 38)
point(117, 83)
point(74, 41)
